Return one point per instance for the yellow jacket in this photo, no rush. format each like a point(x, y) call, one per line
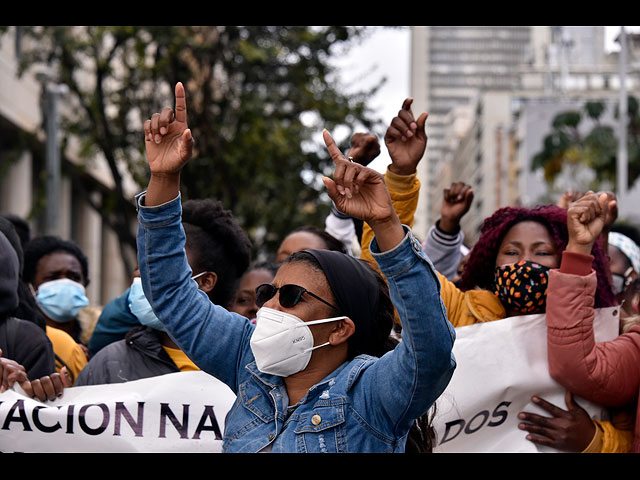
point(473, 306)
point(67, 350)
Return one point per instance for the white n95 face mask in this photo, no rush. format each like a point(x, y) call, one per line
point(282, 343)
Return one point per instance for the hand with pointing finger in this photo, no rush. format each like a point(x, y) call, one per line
point(169, 146)
point(406, 140)
point(168, 140)
point(360, 192)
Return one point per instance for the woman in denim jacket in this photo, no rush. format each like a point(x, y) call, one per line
point(333, 395)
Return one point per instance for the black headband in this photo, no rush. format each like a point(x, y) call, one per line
point(356, 289)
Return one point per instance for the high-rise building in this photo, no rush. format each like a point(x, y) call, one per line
point(449, 66)
point(452, 65)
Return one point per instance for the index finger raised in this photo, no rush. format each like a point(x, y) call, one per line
point(181, 103)
point(332, 148)
point(406, 105)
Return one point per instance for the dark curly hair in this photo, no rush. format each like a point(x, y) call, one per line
point(479, 270)
point(38, 247)
point(218, 244)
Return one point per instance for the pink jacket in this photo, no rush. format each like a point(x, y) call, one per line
point(606, 373)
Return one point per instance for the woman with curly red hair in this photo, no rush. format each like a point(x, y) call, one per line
point(503, 241)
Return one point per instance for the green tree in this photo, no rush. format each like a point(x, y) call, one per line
point(257, 96)
point(597, 149)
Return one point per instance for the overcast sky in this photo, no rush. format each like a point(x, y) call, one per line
point(383, 54)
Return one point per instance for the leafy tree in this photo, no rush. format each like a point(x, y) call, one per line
point(257, 98)
point(597, 149)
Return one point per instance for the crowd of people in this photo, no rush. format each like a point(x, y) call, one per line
point(357, 319)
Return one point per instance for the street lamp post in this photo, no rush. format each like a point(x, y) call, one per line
point(53, 164)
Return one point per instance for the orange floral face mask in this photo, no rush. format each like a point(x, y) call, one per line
point(522, 287)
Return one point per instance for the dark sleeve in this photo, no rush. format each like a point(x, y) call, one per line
point(33, 350)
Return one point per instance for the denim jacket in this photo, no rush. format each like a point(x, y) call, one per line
point(368, 404)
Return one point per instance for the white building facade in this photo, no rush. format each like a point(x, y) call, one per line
point(22, 178)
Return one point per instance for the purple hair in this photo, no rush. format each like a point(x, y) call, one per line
point(479, 270)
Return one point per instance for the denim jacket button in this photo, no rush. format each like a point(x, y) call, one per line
point(416, 245)
point(316, 419)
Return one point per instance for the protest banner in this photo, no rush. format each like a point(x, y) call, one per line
point(177, 412)
point(500, 366)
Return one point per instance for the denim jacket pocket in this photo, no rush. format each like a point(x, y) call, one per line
point(256, 400)
point(321, 418)
point(322, 429)
point(251, 414)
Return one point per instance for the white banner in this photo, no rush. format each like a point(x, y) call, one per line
point(501, 365)
point(177, 412)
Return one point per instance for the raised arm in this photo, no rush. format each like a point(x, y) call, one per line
point(421, 366)
point(606, 373)
point(444, 239)
point(406, 141)
point(213, 338)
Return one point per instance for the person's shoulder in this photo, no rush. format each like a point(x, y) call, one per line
point(59, 336)
point(113, 350)
point(20, 322)
point(63, 343)
point(483, 305)
point(631, 328)
point(26, 328)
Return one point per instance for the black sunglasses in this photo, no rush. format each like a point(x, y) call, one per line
point(289, 295)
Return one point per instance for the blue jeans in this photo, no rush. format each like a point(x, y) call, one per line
point(366, 405)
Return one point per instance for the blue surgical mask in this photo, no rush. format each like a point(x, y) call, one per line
point(140, 307)
point(62, 299)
